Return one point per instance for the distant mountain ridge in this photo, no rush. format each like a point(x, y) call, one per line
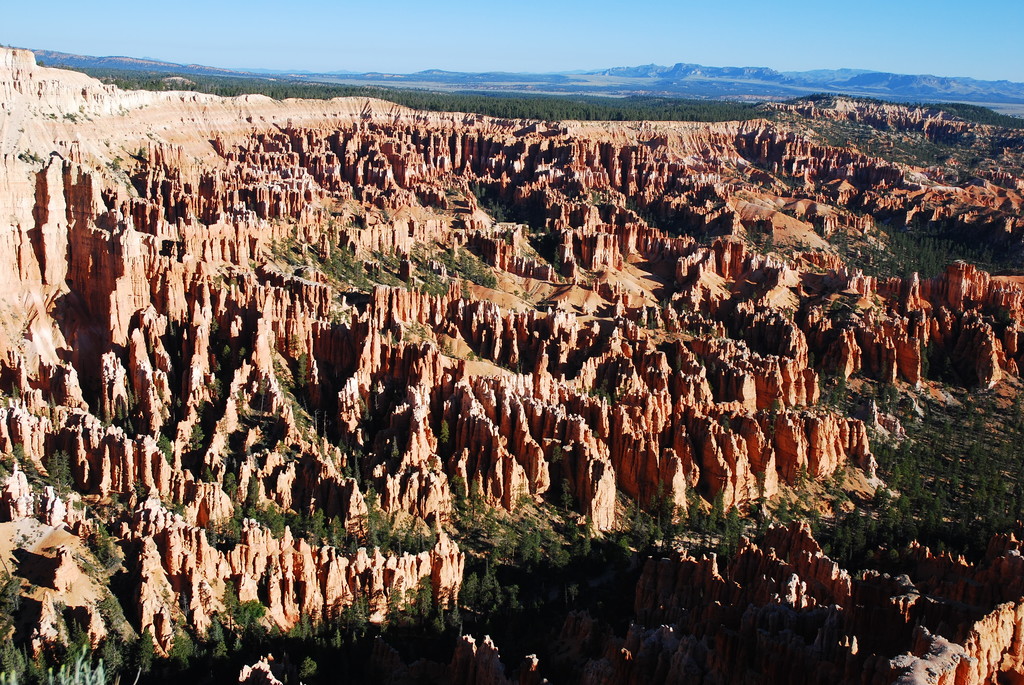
point(680, 80)
point(683, 70)
point(64, 59)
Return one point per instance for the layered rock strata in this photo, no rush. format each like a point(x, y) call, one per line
point(213, 305)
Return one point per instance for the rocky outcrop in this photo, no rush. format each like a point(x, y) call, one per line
point(778, 611)
point(290, 577)
point(215, 306)
point(259, 673)
point(787, 581)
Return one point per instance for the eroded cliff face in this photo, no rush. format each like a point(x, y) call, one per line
point(780, 611)
point(216, 306)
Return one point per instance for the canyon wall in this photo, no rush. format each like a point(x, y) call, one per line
point(219, 306)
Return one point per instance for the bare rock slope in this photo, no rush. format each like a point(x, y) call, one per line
point(213, 307)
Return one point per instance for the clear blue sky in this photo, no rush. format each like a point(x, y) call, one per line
point(980, 39)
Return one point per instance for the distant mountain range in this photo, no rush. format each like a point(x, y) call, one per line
point(679, 80)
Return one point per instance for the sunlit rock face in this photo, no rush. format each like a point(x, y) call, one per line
point(216, 307)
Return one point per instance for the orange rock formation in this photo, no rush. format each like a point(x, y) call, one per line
point(187, 318)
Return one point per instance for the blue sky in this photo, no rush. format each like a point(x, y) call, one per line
point(983, 40)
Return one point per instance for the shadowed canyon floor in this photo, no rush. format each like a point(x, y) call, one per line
point(348, 382)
